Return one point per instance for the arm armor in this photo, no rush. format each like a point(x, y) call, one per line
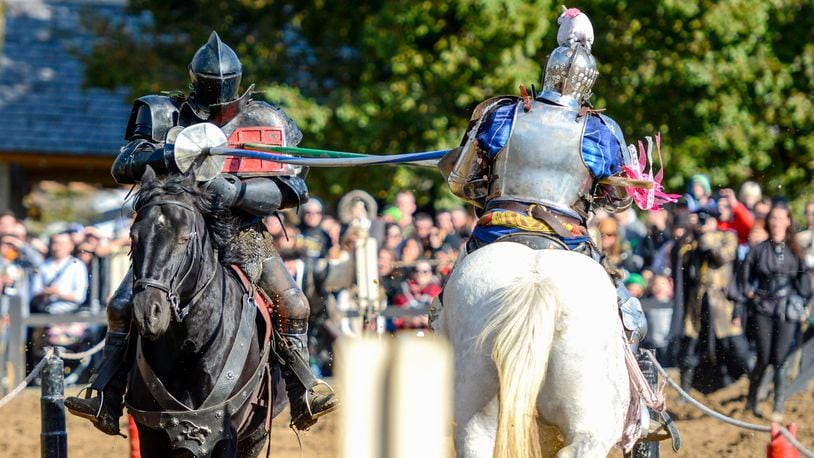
point(150, 120)
point(465, 168)
point(259, 196)
point(134, 158)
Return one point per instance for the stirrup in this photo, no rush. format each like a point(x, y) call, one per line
point(666, 430)
point(96, 419)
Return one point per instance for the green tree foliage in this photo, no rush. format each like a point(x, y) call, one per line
point(727, 83)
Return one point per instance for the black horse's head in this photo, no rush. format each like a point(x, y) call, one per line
point(173, 255)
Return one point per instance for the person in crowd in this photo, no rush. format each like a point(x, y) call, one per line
point(411, 251)
point(391, 214)
point(636, 284)
point(699, 193)
point(7, 221)
point(446, 230)
point(417, 294)
point(806, 237)
point(390, 277)
point(758, 233)
point(423, 225)
point(312, 237)
point(333, 228)
point(393, 240)
point(61, 283)
point(658, 308)
point(615, 253)
point(357, 208)
point(631, 230)
point(446, 256)
point(20, 259)
point(775, 284)
point(462, 222)
point(658, 235)
point(750, 194)
point(735, 216)
point(405, 202)
point(761, 208)
point(713, 329)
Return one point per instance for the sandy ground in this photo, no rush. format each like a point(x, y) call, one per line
point(703, 436)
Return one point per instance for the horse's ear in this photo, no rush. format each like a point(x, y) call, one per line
point(148, 177)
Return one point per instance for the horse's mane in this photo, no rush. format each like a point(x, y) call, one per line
point(222, 224)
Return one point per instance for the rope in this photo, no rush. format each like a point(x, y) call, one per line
point(48, 353)
point(719, 416)
point(82, 355)
point(7, 398)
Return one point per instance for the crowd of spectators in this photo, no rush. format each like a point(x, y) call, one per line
point(723, 277)
point(725, 282)
point(67, 272)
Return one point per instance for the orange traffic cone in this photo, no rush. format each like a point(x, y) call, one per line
point(135, 446)
point(779, 446)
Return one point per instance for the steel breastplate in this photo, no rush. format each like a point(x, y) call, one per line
point(542, 160)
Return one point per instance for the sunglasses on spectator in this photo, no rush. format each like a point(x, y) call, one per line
point(609, 234)
point(423, 271)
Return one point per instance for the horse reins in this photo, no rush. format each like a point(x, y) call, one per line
point(170, 289)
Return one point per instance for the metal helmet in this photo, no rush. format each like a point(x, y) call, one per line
point(215, 71)
point(571, 69)
point(570, 74)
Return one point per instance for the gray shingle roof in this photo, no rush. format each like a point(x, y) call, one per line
point(43, 107)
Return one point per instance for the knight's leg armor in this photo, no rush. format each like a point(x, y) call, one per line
point(633, 318)
point(104, 399)
point(306, 404)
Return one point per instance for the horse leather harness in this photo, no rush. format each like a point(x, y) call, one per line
point(179, 313)
point(199, 430)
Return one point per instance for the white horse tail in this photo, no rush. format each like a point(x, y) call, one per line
point(522, 327)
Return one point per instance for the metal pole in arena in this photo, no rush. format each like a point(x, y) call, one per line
point(54, 438)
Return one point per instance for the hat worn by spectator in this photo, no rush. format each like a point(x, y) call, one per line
point(635, 279)
point(392, 212)
point(703, 180)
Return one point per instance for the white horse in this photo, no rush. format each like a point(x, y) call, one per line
point(538, 345)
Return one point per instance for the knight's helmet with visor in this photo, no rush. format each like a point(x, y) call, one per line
point(215, 72)
point(570, 72)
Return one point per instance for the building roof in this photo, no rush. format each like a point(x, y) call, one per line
point(43, 107)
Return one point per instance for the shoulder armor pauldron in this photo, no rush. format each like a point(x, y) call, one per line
point(153, 116)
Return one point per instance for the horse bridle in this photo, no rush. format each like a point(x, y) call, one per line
point(179, 313)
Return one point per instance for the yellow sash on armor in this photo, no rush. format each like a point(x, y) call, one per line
point(518, 221)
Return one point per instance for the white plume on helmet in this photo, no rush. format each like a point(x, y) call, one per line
point(575, 26)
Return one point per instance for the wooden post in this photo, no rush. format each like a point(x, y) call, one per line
point(398, 397)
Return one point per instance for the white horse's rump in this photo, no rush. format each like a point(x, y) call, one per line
point(537, 343)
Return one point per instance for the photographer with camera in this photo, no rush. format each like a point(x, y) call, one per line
point(713, 329)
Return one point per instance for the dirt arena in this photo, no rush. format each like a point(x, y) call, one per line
point(702, 435)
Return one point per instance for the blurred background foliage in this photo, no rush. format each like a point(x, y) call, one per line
point(728, 84)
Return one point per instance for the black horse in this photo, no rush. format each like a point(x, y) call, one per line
point(202, 383)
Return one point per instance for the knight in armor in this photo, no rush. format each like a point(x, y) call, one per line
point(536, 166)
point(216, 74)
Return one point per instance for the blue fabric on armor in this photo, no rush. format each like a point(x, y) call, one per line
point(495, 129)
point(600, 149)
point(488, 234)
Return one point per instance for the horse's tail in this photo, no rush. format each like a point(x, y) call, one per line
point(522, 326)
